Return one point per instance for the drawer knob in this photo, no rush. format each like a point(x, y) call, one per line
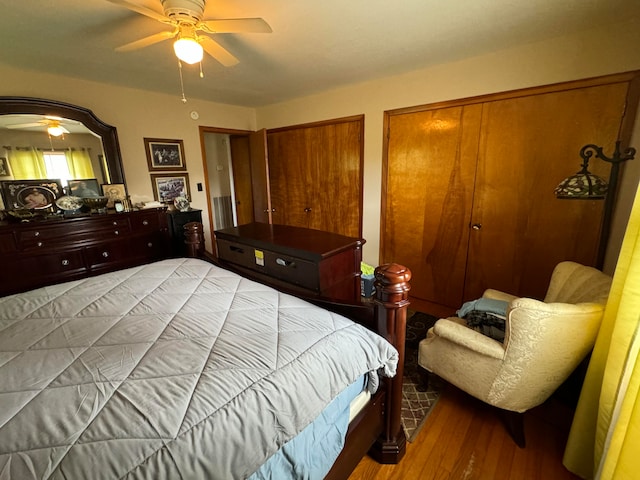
point(65, 262)
point(116, 232)
point(307, 210)
point(39, 244)
point(476, 226)
point(150, 244)
point(105, 254)
point(115, 223)
point(285, 263)
point(36, 234)
point(145, 222)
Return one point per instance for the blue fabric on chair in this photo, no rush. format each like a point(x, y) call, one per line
point(488, 305)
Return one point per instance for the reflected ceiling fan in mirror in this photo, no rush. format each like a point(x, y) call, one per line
point(54, 126)
point(191, 31)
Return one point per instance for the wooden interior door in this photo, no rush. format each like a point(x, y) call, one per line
point(290, 177)
point(528, 145)
point(315, 176)
point(242, 184)
point(260, 176)
point(428, 186)
point(336, 177)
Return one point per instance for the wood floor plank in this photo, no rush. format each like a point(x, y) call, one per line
point(464, 439)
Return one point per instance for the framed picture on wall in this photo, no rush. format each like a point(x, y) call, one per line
point(87, 187)
point(167, 186)
point(30, 194)
point(165, 154)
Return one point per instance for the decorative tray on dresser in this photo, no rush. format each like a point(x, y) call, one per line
point(37, 253)
point(311, 262)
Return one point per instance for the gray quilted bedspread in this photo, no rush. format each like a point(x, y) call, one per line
point(176, 369)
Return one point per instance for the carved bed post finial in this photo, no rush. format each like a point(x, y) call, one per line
point(194, 239)
point(391, 302)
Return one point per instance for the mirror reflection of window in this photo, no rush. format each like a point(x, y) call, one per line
point(57, 167)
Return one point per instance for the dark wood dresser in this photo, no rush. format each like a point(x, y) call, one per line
point(44, 252)
point(311, 262)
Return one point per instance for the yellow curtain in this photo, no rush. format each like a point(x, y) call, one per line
point(27, 164)
point(604, 441)
point(79, 163)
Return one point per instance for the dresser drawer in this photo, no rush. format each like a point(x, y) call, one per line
point(26, 272)
point(151, 246)
point(108, 254)
point(239, 254)
point(71, 261)
point(45, 236)
point(293, 270)
point(145, 223)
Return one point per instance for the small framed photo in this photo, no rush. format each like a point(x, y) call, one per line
point(167, 155)
point(87, 187)
point(5, 171)
point(167, 186)
point(115, 191)
point(31, 194)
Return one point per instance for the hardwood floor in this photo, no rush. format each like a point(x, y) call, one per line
point(464, 438)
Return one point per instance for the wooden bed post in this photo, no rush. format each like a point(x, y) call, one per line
point(194, 239)
point(391, 302)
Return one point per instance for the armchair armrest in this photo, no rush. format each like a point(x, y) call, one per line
point(498, 295)
point(450, 329)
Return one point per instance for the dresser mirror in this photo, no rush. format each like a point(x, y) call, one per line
point(30, 123)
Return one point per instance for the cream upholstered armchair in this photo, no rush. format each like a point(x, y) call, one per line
point(544, 341)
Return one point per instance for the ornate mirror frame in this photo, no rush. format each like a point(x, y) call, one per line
point(108, 134)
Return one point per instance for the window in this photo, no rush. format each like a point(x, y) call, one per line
point(57, 166)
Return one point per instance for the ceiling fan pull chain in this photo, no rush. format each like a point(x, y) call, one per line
point(201, 72)
point(184, 99)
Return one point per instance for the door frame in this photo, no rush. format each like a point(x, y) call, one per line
point(202, 130)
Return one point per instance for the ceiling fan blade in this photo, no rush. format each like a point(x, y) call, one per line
point(147, 41)
point(218, 52)
point(236, 25)
point(64, 130)
point(142, 10)
point(25, 125)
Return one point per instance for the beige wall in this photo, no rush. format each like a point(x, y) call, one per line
point(138, 114)
point(594, 53)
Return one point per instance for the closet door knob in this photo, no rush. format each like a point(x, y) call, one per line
point(476, 226)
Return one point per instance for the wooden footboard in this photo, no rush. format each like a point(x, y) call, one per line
point(377, 430)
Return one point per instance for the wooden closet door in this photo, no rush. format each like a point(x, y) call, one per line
point(428, 189)
point(315, 175)
point(528, 145)
point(260, 176)
point(334, 153)
point(290, 177)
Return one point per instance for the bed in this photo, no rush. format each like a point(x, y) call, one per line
point(182, 369)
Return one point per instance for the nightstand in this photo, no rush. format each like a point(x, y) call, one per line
point(177, 220)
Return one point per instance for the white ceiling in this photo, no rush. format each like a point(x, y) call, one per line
point(315, 45)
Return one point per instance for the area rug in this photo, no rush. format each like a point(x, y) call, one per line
point(417, 401)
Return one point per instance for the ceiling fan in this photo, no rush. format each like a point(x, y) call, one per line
point(53, 125)
point(185, 16)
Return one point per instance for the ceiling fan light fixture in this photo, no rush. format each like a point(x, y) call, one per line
point(55, 130)
point(188, 50)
